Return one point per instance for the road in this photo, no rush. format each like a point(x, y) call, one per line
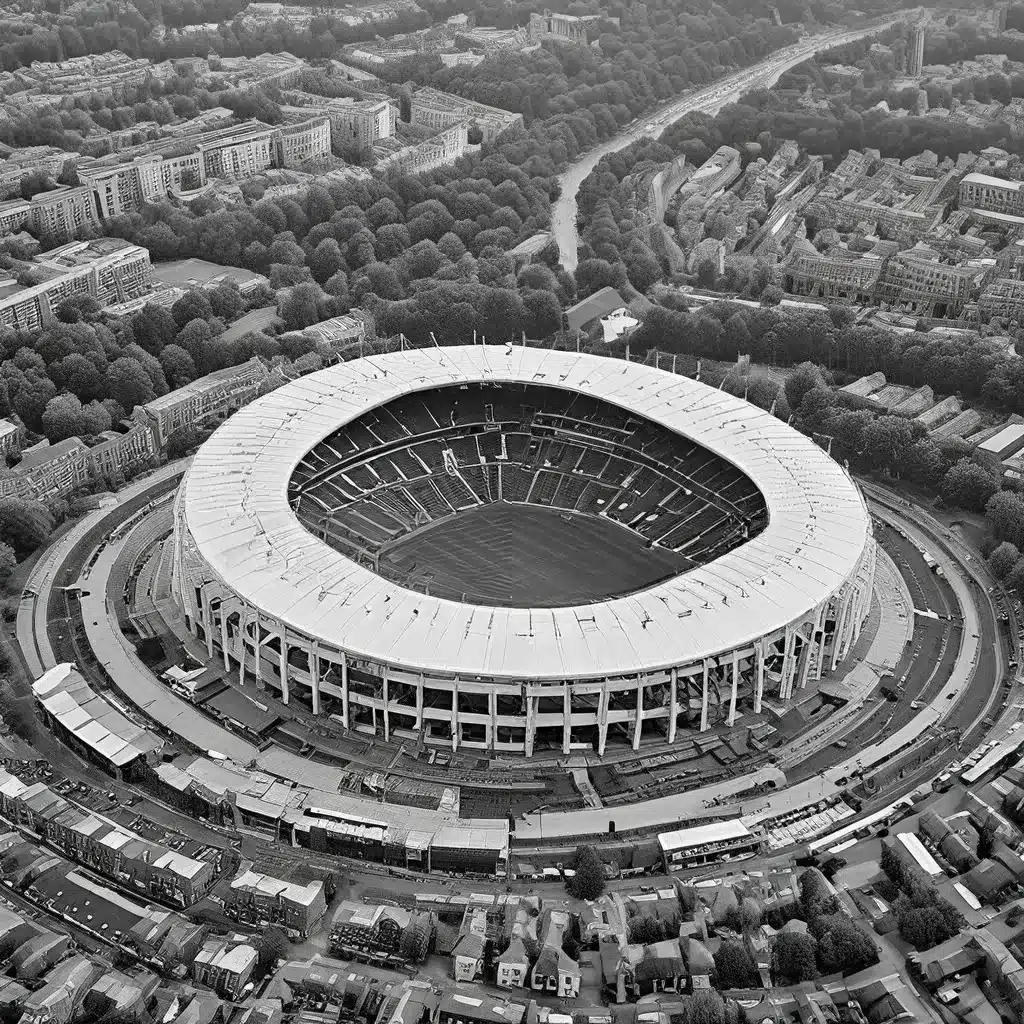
point(710, 100)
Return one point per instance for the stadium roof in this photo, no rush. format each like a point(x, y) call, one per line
point(235, 500)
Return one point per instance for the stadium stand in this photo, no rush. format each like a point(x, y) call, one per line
point(429, 456)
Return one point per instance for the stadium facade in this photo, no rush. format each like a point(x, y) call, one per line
point(289, 510)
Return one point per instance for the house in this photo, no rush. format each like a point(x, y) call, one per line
point(468, 954)
point(702, 964)
point(513, 964)
point(478, 1007)
point(361, 930)
point(555, 971)
point(224, 967)
point(592, 308)
point(661, 968)
point(60, 998)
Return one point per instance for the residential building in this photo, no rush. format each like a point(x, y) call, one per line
point(513, 965)
point(997, 195)
point(88, 723)
point(1002, 297)
point(341, 331)
point(478, 1008)
point(353, 123)
point(224, 967)
point(554, 971)
point(14, 215)
point(438, 110)
point(60, 998)
point(108, 269)
point(258, 899)
point(915, 52)
point(304, 142)
point(64, 212)
point(444, 148)
point(10, 437)
point(468, 954)
point(568, 28)
point(212, 397)
point(361, 930)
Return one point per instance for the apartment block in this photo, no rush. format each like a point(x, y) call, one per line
point(299, 143)
point(438, 110)
point(14, 215)
point(211, 397)
point(224, 967)
point(64, 212)
point(358, 123)
point(109, 269)
point(996, 195)
point(567, 28)
point(238, 152)
point(258, 899)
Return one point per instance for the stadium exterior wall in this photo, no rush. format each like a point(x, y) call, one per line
point(400, 700)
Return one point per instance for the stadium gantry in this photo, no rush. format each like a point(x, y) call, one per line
point(296, 557)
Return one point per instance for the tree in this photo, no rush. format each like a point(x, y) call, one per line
point(129, 383)
point(735, 966)
point(63, 418)
point(986, 840)
point(182, 441)
point(271, 946)
point(588, 883)
point(842, 946)
point(191, 306)
point(969, 485)
point(794, 958)
point(8, 561)
point(301, 307)
point(886, 442)
point(750, 913)
point(806, 377)
point(25, 524)
point(1003, 559)
point(705, 1007)
point(1005, 514)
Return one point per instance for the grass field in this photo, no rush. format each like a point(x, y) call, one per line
point(525, 556)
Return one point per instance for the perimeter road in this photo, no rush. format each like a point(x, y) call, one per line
point(710, 100)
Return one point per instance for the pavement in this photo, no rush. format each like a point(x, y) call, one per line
point(710, 100)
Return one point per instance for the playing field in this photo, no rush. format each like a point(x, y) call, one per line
point(525, 556)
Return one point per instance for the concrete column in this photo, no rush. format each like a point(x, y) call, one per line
point(242, 651)
point(841, 640)
point(284, 668)
point(673, 706)
point(208, 624)
point(704, 698)
point(492, 727)
point(386, 685)
point(639, 721)
point(787, 665)
point(759, 689)
point(419, 704)
point(602, 718)
point(224, 637)
point(566, 719)
point(731, 721)
point(455, 715)
point(344, 690)
point(314, 674)
point(531, 723)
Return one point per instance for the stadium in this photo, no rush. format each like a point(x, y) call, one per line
point(519, 551)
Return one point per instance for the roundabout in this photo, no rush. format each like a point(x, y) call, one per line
point(434, 805)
